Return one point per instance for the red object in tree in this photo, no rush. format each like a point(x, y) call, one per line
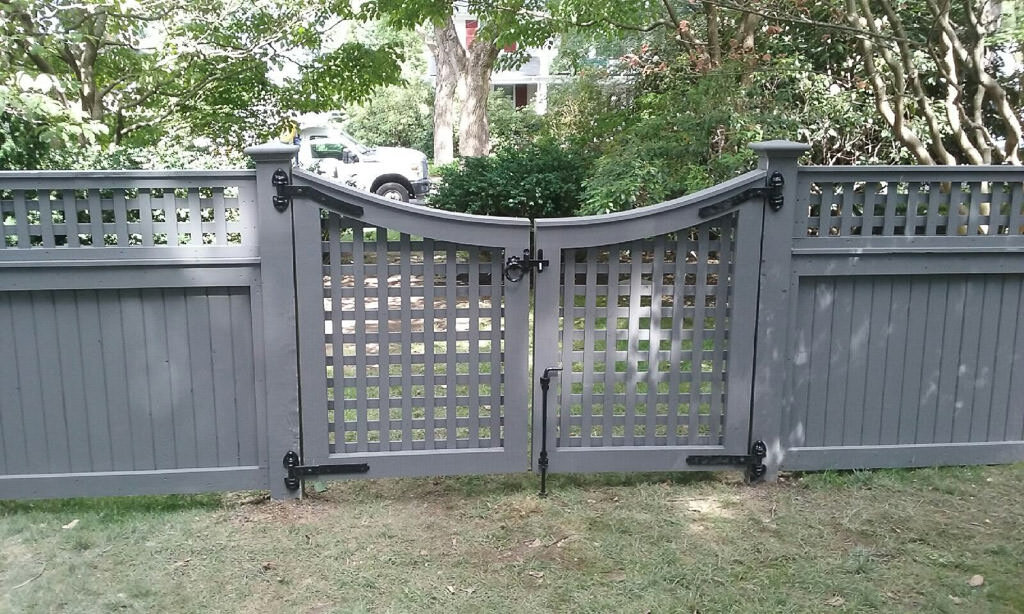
point(471, 28)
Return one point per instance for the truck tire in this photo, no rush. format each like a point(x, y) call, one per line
point(393, 191)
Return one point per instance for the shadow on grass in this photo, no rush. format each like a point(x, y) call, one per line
point(114, 506)
point(482, 486)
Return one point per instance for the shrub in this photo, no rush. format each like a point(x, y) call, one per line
point(537, 180)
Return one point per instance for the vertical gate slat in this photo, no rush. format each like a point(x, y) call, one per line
point(429, 378)
point(451, 344)
point(675, 356)
point(182, 408)
point(339, 363)
point(200, 340)
point(914, 200)
point(568, 328)
point(195, 217)
point(934, 201)
point(968, 350)
point(974, 213)
point(846, 220)
point(497, 329)
point(33, 372)
point(891, 198)
point(383, 340)
point(950, 368)
point(72, 381)
point(13, 433)
point(899, 311)
point(881, 297)
point(654, 340)
point(633, 340)
point(611, 327)
point(999, 208)
point(910, 405)
point(721, 295)
point(1006, 346)
point(474, 346)
point(930, 365)
point(988, 338)
point(697, 353)
point(155, 313)
point(96, 401)
point(590, 316)
point(44, 315)
point(405, 282)
point(955, 225)
point(359, 316)
point(803, 372)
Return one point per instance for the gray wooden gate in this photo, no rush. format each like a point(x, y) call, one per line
point(650, 314)
point(412, 351)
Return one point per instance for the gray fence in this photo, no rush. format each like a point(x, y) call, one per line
point(186, 331)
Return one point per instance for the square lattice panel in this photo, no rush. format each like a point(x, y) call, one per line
point(644, 339)
point(413, 341)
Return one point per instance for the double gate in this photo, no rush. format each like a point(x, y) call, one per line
point(416, 328)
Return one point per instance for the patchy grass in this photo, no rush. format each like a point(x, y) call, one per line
point(881, 541)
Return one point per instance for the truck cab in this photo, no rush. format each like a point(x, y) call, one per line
point(397, 173)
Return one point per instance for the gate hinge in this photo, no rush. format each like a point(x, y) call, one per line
point(771, 192)
point(516, 267)
point(297, 471)
point(286, 191)
point(753, 461)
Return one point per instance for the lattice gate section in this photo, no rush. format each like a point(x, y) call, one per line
point(644, 334)
point(413, 341)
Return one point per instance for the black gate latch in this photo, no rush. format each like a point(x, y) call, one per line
point(286, 191)
point(754, 461)
point(516, 267)
point(297, 471)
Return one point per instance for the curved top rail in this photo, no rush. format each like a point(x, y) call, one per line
point(657, 219)
point(30, 180)
point(412, 219)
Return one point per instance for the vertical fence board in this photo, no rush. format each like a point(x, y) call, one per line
point(856, 376)
point(429, 323)
point(245, 400)
point(697, 355)
point(32, 378)
point(21, 220)
point(987, 359)
point(590, 316)
point(450, 345)
point(226, 420)
point(200, 343)
point(72, 380)
point(12, 430)
point(135, 352)
point(384, 340)
point(568, 329)
point(96, 400)
point(1014, 430)
point(359, 315)
point(45, 220)
point(913, 359)
point(877, 344)
point(405, 282)
point(654, 376)
point(182, 408)
point(1002, 403)
point(949, 370)
point(157, 360)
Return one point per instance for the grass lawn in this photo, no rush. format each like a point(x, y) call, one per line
point(883, 541)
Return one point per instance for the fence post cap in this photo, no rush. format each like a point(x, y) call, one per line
point(779, 148)
point(272, 152)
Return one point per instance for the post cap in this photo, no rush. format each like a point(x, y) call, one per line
point(780, 148)
point(272, 152)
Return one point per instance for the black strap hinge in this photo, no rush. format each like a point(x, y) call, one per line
point(286, 192)
point(297, 471)
point(771, 193)
point(516, 267)
point(754, 461)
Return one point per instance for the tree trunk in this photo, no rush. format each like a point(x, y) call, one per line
point(449, 59)
point(474, 130)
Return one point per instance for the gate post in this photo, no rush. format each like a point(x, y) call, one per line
point(774, 298)
point(277, 321)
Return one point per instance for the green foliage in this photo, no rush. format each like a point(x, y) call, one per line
point(509, 126)
point(398, 116)
point(537, 180)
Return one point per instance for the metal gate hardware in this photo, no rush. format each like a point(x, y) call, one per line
point(754, 461)
point(516, 267)
point(542, 461)
point(298, 471)
point(286, 192)
point(772, 192)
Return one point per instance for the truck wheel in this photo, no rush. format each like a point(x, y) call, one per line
point(393, 191)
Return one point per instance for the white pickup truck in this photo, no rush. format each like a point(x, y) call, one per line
point(398, 173)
